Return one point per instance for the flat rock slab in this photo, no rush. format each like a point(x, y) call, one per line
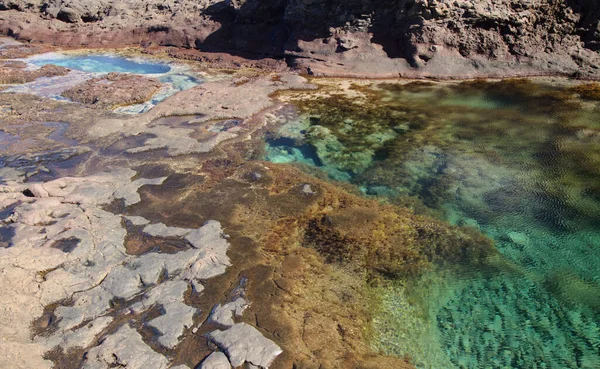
point(178, 316)
point(216, 360)
point(223, 314)
point(93, 272)
point(126, 349)
point(244, 343)
point(161, 230)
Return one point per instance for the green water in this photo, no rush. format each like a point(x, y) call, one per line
point(518, 160)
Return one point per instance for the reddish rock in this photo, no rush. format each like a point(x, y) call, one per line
point(20, 51)
point(377, 38)
point(114, 89)
point(14, 72)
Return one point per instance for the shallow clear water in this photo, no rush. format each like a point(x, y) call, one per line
point(174, 82)
point(520, 162)
point(103, 64)
point(175, 78)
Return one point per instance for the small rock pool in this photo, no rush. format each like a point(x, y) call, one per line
point(175, 77)
point(102, 63)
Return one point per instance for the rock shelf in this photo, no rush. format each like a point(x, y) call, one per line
point(89, 288)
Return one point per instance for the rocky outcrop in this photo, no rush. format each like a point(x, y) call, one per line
point(114, 89)
point(410, 37)
point(15, 72)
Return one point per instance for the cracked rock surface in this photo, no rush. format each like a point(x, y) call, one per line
point(67, 264)
point(125, 348)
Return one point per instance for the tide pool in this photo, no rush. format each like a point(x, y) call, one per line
point(515, 159)
point(101, 63)
point(174, 77)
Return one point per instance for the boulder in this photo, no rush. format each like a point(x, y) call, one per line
point(69, 15)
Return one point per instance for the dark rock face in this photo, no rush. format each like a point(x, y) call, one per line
point(529, 37)
point(464, 38)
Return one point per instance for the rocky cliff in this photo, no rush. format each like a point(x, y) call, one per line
point(461, 38)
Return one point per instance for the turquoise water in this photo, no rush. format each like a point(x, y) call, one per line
point(103, 64)
point(518, 161)
point(175, 78)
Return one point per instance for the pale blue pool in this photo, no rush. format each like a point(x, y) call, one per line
point(104, 64)
point(175, 78)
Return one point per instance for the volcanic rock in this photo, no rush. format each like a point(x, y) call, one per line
point(114, 89)
point(409, 38)
point(15, 72)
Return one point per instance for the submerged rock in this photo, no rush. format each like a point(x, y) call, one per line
point(307, 190)
point(519, 238)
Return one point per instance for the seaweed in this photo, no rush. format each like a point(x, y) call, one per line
point(388, 243)
point(588, 91)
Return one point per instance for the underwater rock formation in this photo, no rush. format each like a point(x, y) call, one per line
point(516, 159)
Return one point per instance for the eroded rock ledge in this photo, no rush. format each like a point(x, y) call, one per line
point(114, 89)
point(15, 72)
point(412, 38)
point(66, 272)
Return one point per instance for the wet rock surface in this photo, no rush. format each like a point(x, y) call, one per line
point(92, 303)
point(114, 89)
point(166, 233)
point(14, 72)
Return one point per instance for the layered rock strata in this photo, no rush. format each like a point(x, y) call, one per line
point(409, 38)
